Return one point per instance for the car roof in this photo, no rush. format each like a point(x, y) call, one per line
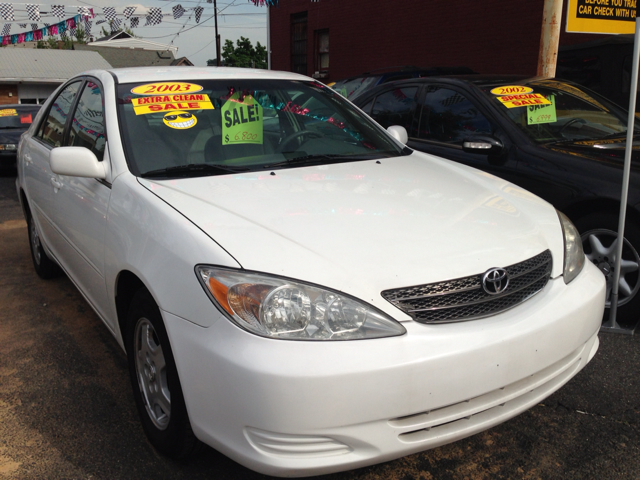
point(477, 79)
point(163, 74)
point(20, 106)
point(390, 71)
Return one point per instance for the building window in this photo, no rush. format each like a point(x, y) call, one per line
point(322, 51)
point(299, 43)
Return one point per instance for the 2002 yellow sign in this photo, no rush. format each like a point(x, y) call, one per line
point(511, 90)
point(165, 88)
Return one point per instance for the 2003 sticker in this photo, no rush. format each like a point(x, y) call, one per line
point(166, 88)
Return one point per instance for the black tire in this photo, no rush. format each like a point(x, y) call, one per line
point(43, 265)
point(603, 227)
point(163, 415)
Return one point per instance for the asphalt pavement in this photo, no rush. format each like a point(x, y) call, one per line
point(67, 411)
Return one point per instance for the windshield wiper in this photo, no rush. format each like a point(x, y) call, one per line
point(186, 170)
point(332, 158)
point(622, 134)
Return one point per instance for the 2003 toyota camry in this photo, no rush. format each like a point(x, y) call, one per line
point(291, 284)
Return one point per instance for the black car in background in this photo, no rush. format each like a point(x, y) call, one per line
point(14, 121)
point(354, 86)
point(556, 139)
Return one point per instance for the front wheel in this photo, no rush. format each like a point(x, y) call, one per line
point(155, 382)
point(600, 241)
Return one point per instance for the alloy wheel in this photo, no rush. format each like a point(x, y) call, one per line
point(600, 247)
point(151, 371)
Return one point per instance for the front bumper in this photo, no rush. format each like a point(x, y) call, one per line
point(293, 408)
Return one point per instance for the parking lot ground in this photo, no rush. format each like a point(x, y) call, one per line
point(67, 412)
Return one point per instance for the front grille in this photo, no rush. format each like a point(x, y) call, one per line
point(465, 298)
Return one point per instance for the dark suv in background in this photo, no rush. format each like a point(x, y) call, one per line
point(14, 121)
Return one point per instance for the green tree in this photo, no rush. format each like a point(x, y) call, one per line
point(63, 43)
point(243, 54)
point(81, 35)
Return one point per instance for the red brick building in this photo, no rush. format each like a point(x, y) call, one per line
point(355, 36)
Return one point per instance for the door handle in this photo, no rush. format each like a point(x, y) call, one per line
point(27, 158)
point(56, 184)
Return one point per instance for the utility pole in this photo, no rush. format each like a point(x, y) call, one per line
point(215, 8)
point(549, 38)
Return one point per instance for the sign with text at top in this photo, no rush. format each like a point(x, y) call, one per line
point(601, 16)
point(241, 120)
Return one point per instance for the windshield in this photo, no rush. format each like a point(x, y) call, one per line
point(17, 117)
point(212, 127)
point(550, 111)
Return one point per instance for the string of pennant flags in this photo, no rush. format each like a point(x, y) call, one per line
point(85, 18)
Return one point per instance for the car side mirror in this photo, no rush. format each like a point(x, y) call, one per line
point(399, 133)
point(76, 162)
point(482, 144)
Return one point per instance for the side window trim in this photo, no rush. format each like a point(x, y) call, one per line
point(86, 80)
point(72, 111)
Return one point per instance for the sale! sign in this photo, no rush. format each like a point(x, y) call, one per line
point(241, 120)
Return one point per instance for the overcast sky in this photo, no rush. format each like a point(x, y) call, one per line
point(196, 41)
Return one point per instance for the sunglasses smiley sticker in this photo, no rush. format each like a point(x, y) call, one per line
point(179, 120)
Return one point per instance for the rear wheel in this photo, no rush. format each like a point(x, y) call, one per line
point(600, 240)
point(155, 382)
point(43, 265)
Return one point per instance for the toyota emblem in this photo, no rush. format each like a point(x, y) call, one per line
point(495, 281)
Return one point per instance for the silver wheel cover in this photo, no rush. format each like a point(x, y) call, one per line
point(151, 371)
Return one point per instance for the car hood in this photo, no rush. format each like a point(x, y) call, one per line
point(367, 226)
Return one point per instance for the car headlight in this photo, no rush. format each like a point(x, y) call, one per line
point(8, 147)
point(289, 309)
point(573, 252)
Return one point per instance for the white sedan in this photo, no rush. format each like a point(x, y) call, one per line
point(291, 284)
